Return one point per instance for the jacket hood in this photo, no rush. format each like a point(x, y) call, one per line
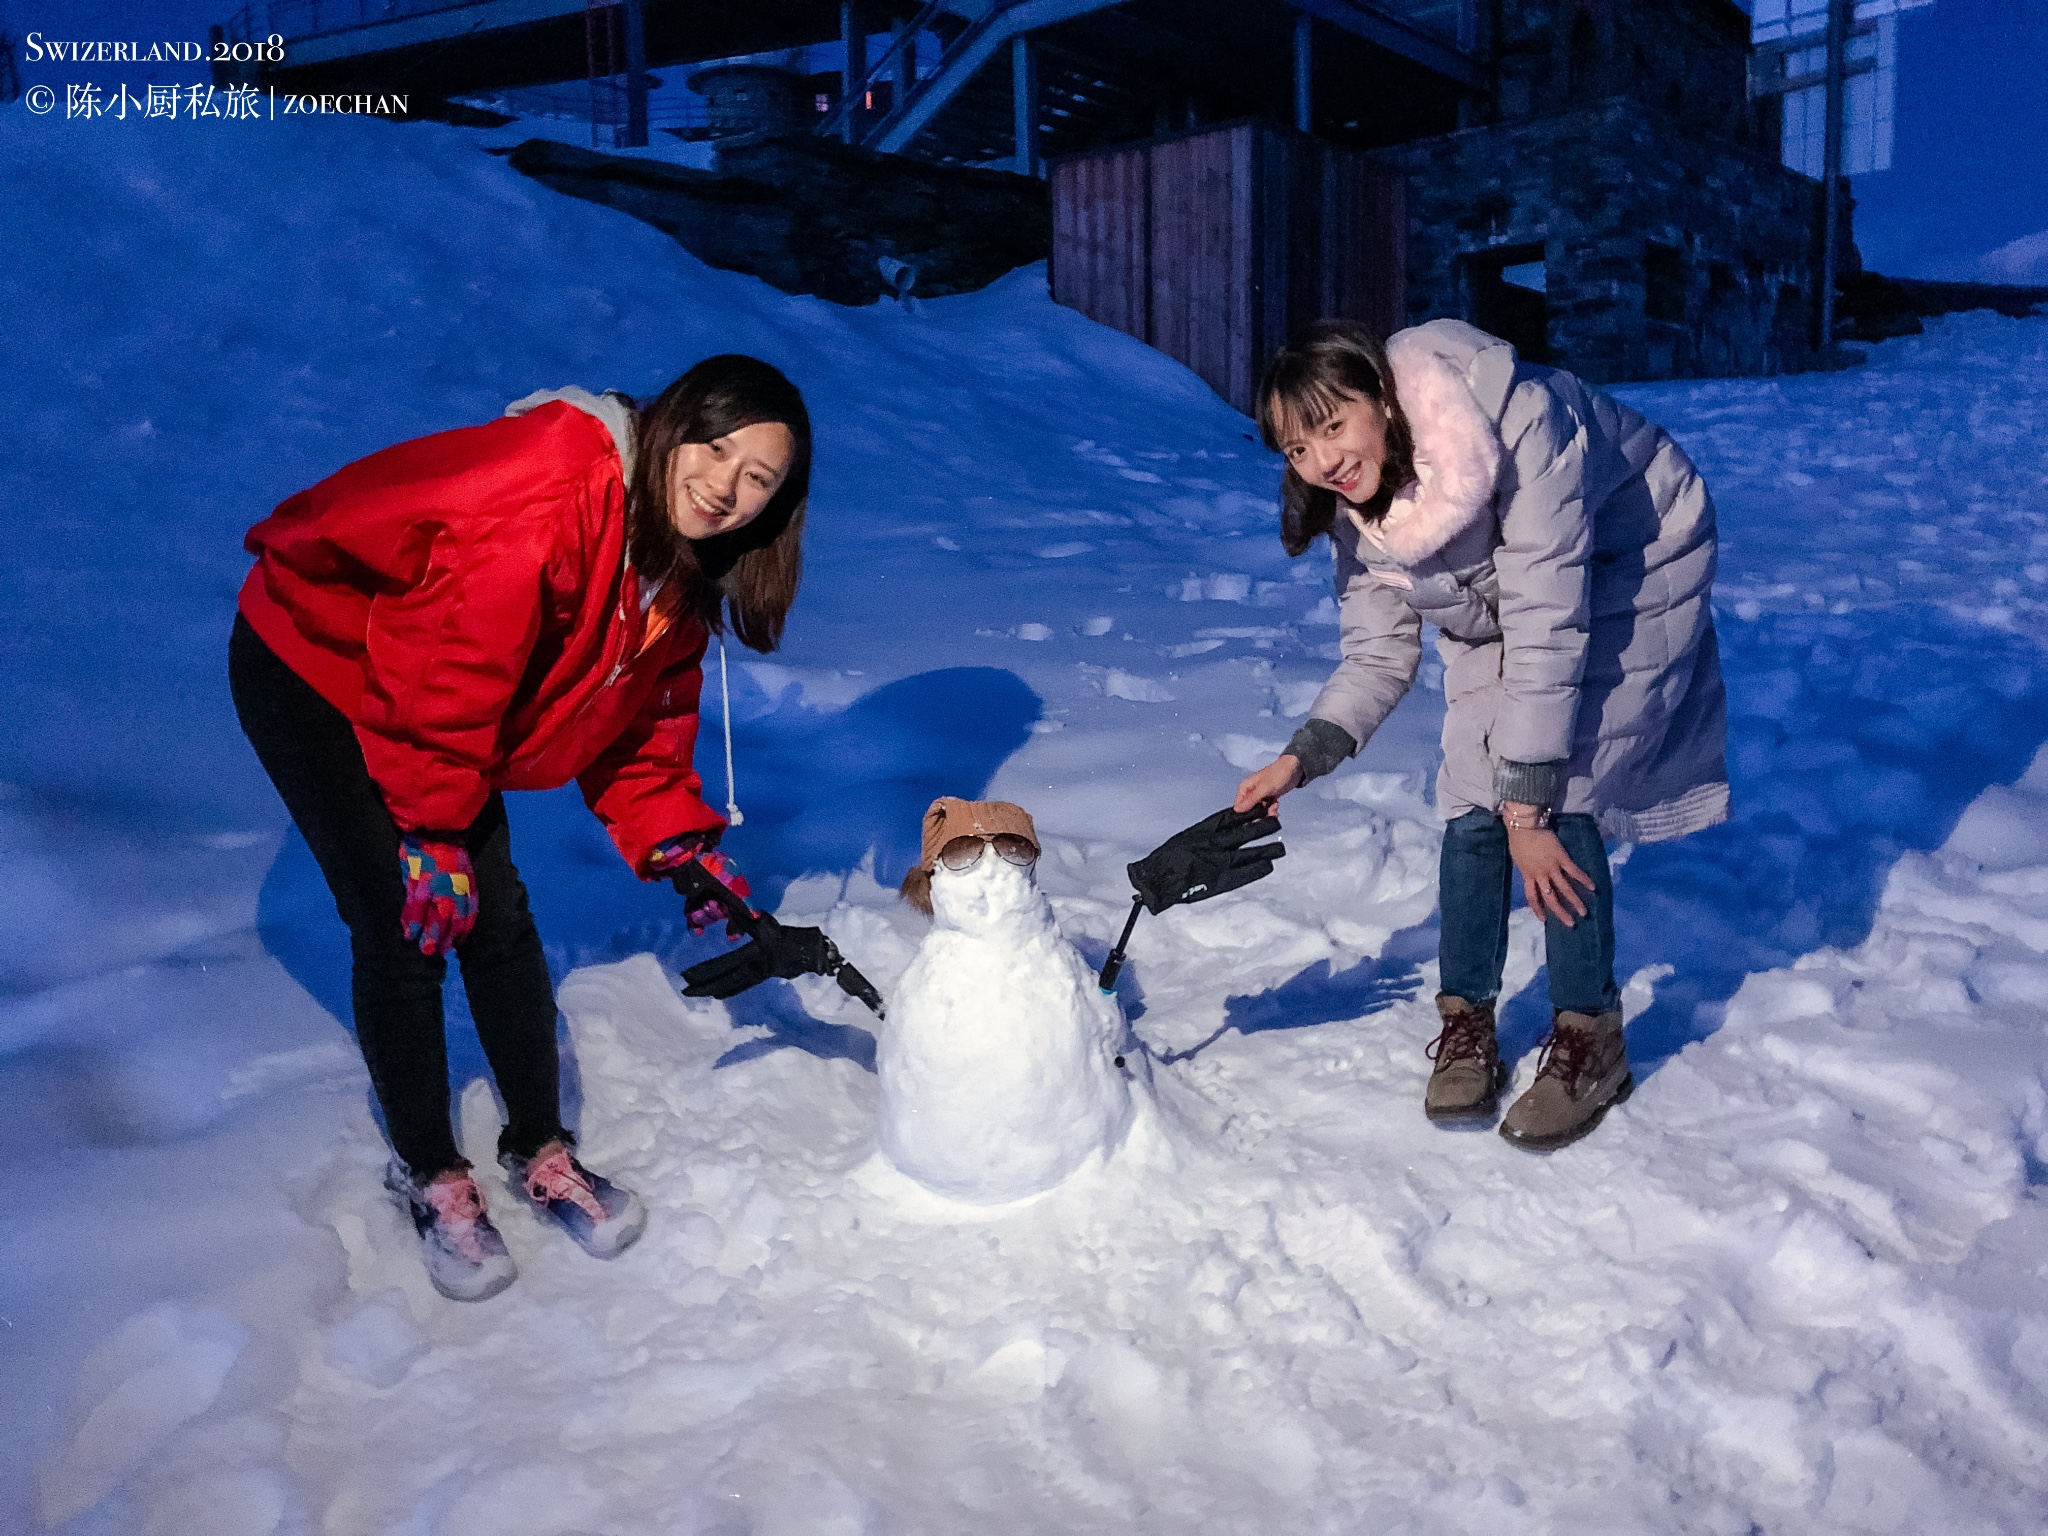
point(612, 408)
point(1457, 448)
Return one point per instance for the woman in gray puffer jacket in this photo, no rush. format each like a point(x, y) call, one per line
point(1564, 548)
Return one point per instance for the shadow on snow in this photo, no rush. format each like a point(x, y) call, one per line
point(1321, 994)
point(821, 791)
point(1853, 739)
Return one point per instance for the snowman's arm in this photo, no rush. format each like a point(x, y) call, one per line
point(772, 949)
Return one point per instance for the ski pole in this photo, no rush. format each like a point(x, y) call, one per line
point(1113, 966)
point(1194, 864)
point(704, 886)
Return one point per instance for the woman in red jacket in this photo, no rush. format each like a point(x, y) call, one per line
point(509, 606)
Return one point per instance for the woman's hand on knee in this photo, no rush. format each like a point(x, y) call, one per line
point(1267, 785)
point(1548, 874)
point(440, 890)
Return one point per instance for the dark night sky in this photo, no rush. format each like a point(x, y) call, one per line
point(1971, 168)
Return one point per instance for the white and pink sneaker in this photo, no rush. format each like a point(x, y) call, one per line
point(466, 1257)
point(603, 1219)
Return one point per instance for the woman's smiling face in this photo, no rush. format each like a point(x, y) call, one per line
point(1344, 452)
point(723, 485)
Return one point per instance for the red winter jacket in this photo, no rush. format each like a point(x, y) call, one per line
point(465, 599)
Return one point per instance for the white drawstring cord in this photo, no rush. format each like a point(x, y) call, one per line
point(732, 805)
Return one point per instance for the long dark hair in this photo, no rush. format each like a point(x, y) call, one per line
point(749, 577)
point(1304, 384)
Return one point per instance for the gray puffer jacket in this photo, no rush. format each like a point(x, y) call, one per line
point(1564, 547)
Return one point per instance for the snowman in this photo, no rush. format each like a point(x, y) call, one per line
point(1000, 1067)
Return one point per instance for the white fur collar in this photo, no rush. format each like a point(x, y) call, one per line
point(1457, 456)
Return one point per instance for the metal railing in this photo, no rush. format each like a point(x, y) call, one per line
point(1452, 20)
point(834, 122)
point(1448, 27)
point(1005, 20)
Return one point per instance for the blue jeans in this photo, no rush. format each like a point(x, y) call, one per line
point(1474, 890)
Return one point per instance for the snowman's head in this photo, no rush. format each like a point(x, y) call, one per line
point(991, 896)
point(964, 844)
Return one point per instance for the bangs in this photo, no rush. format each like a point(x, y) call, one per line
point(1306, 388)
point(1299, 411)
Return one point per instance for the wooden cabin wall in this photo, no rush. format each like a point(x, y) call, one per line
point(1102, 239)
point(1202, 257)
point(1215, 247)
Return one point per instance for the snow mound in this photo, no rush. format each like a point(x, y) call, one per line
point(157, 1371)
point(2024, 260)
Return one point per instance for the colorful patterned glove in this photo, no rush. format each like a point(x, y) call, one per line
point(670, 855)
point(440, 891)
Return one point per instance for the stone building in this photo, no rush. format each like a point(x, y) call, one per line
point(1687, 58)
point(1612, 207)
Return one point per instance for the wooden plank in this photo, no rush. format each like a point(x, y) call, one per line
point(1332, 231)
point(1394, 241)
point(1210, 241)
point(1307, 295)
point(1242, 290)
point(1365, 250)
point(1099, 238)
point(1164, 167)
point(1134, 182)
point(1274, 216)
point(1076, 257)
point(1178, 186)
point(1060, 280)
point(1346, 260)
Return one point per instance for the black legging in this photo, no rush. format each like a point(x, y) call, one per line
point(309, 749)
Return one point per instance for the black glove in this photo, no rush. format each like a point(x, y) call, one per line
point(773, 951)
point(1206, 860)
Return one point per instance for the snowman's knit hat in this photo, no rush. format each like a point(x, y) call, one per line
point(950, 817)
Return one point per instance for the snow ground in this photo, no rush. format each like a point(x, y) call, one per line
point(1799, 1282)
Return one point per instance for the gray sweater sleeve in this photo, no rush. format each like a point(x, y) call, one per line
point(1320, 746)
point(1379, 645)
point(1525, 783)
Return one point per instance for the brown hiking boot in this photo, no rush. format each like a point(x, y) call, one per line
point(1583, 1069)
point(1469, 1076)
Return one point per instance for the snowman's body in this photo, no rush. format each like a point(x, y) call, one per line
point(998, 1067)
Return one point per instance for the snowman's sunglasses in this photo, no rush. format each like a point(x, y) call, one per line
point(965, 852)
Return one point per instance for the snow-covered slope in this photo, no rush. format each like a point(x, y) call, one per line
point(1795, 1284)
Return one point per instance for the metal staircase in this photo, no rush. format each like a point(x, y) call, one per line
point(981, 113)
point(1079, 102)
point(974, 108)
point(1015, 80)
